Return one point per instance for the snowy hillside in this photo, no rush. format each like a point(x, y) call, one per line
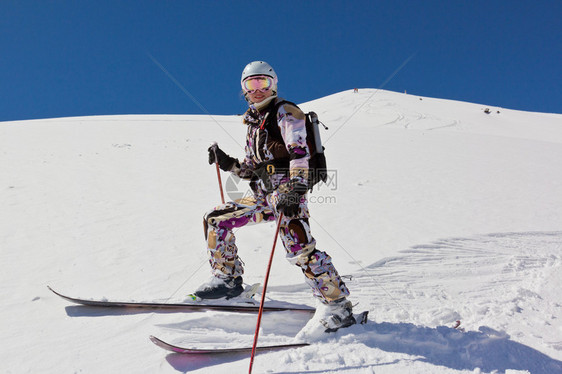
point(436, 212)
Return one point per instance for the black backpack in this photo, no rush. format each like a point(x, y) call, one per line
point(317, 170)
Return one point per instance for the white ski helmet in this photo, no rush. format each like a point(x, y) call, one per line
point(259, 68)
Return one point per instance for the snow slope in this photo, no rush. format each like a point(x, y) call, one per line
point(436, 212)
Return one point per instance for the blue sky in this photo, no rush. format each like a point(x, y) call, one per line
point(77, 58)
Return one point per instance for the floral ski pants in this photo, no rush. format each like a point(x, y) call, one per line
point(299, 244)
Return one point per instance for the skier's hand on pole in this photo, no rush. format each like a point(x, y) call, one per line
point(290, 196)
point(217, 155)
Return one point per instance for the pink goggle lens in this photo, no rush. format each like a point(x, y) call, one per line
point(258, 83)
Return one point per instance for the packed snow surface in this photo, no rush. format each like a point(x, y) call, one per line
point(435, 212)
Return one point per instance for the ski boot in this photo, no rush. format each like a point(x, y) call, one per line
point(337, 315)
point(218, 288)
point(329, 318)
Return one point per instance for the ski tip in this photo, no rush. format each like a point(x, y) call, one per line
point(160, 343)
point(157, 341)
point(53, 291)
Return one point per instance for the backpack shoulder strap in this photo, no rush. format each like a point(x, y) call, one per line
point(271, 122)
point(278, 102)
point(272, 116)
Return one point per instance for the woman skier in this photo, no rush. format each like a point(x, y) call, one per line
point(276, 163)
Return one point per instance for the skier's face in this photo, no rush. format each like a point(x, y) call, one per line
point(258, 96)
point(258, 88)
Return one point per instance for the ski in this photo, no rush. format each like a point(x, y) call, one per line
point(244, 305)
point(213, 351)
point(360, 318)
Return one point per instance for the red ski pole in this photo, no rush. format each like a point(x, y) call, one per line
point(220, 181)
point(263, 293)
point(218, 172)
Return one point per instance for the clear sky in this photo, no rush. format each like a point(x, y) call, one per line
point(76, 58)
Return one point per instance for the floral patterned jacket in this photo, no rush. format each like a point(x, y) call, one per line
point(276, 146)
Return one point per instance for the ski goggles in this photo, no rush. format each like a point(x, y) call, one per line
point(260, 83)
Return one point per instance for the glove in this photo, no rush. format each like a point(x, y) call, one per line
point(217, 155)
point(290, 195)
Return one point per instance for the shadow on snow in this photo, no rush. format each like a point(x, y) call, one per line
point(486, 349)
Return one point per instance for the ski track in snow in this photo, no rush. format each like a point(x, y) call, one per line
point(430, 285)
point(414, 300)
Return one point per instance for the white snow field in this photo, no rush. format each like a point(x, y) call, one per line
point(436, 212)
